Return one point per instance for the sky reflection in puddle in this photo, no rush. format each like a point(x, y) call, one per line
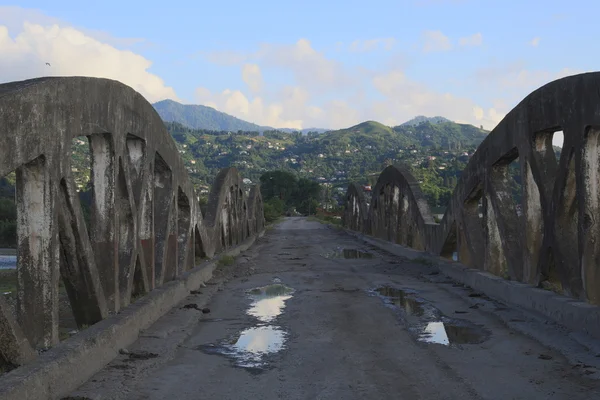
point(434, 332)
point(427, 323)
point(269, 301)
point(248, 348)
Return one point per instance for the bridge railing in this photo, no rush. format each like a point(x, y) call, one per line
point(553, 235)
point(145, 227)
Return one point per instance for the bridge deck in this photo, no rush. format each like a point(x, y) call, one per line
point(342, 341)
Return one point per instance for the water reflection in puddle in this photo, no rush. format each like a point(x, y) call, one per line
point(249, 348)
point(269, 301)
point(400, 299)
point(434, 332)
point(427, 323)
point(348, 254)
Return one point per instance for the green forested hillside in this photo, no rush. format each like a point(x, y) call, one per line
point(435, 152)
point(197, 116)
point(421, 118)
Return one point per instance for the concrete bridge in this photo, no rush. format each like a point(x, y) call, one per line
point(146, 229)
point(552, 237)
point(303, 311)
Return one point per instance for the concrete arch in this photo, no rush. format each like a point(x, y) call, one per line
point(554, 227)
point(145, 215)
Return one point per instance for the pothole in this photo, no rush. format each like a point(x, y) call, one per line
point(427, 323)
point(268, 301)
point(401, 299)
point(348, 254)
point(250, 348)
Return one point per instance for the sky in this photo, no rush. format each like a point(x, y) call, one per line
point(302, 64)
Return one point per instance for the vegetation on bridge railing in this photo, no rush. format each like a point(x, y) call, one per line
point(137, 227)
point(546, 233)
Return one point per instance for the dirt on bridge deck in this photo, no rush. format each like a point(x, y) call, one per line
point(310, 312)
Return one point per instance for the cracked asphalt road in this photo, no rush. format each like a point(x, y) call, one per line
point(339, 339)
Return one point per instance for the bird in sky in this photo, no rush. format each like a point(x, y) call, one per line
point(48, 64)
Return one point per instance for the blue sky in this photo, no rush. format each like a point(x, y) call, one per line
point(328, 64)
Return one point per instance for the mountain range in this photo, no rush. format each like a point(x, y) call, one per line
point(203, 117)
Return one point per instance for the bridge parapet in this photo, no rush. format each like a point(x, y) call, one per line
point(552, 234)
point(146, 227)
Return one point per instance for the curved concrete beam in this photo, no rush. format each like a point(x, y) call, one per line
point(146, 225)
point(554, 233)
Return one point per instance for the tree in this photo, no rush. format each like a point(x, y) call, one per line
point(280, 184)
point(308, 206)
point(302, 193)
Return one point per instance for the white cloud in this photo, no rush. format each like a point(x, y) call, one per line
point(252, 77)
point(72, 52)
point(254, 109)
point(325, 93)
point(311, 68)
point(226, 57)
point(404, 99)
point(473, 40)
point(293, 106)
point(360, 46)
point(535, 41)
point(513, 82)
point(13, 18)
point(435, 41)
point(515, 79)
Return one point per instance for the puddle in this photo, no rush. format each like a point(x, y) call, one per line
point(268, 301)
point(249, 348)
point(401, 299)
point(427, 323)
point(349, 254)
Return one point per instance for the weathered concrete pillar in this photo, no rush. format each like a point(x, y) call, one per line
point(245, 230)
point(402, 235)
point(450, 244)
point(589, 214)
point(138, 171)
point(225, 222)
point(544, 174)
point(38, 253)
point(184, 223)
point(534, 225)
point(103, 217)
point(473, 230)
point(171, 268)
point(136, 159)
point(78, 266)
point(395, 212)
point(163, 201)
point(566, 223)
point(146, 225)
point(199, 251)
point(495, 260)
point(464, 253)
point(126, 222)
point(509, 228)
point(231, 218)
point(15, 349)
